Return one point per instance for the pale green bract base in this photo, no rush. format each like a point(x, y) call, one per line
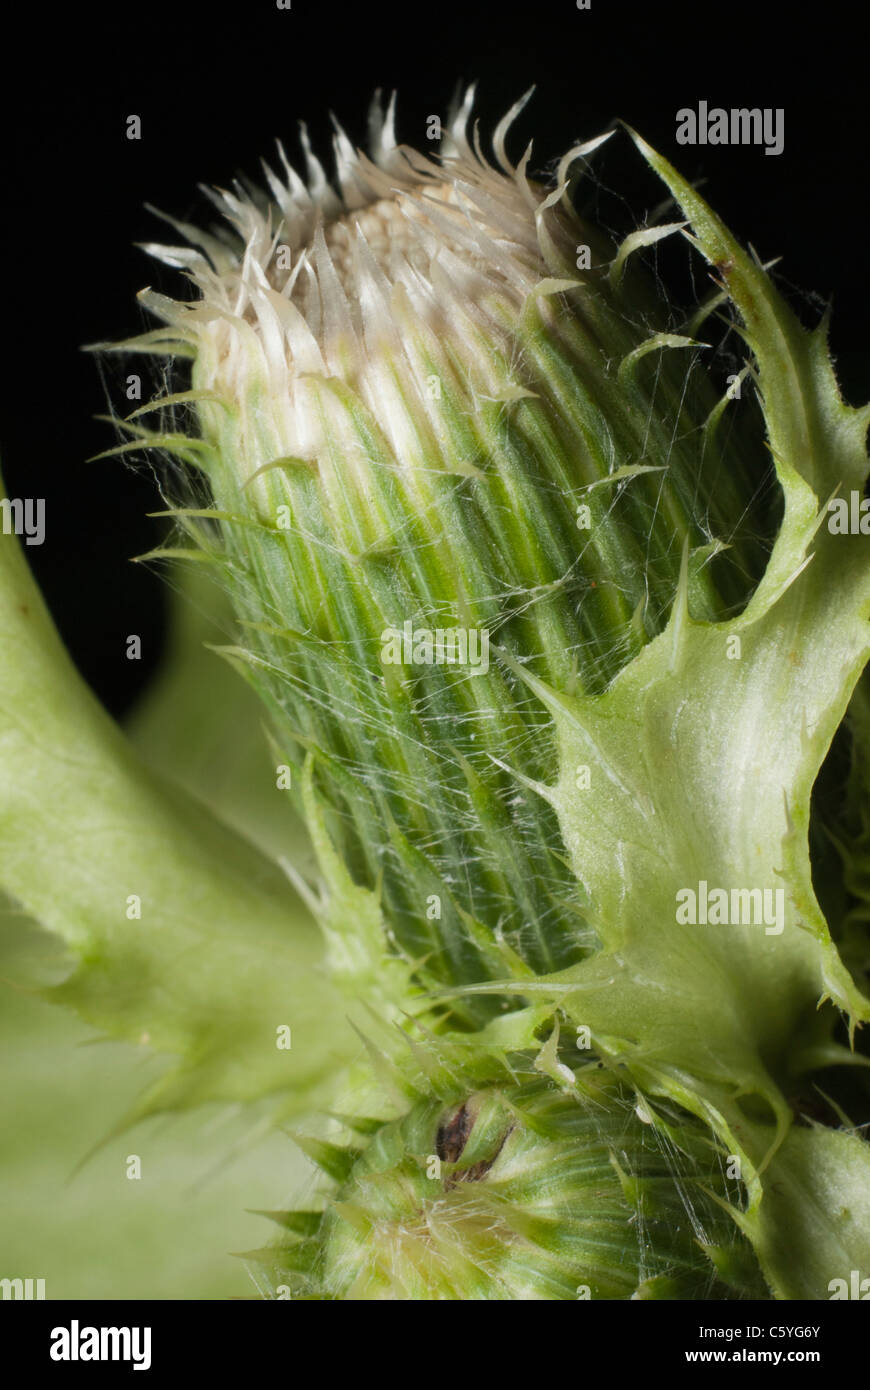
point(223, 953)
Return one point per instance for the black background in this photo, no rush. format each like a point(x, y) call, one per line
point(215, 85)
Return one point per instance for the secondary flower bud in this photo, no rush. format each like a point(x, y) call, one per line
point(527, 1192)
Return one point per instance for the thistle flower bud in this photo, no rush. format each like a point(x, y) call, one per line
point(435, 448)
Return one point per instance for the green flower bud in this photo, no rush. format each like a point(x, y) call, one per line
point(435, 450)
point(527, 1191)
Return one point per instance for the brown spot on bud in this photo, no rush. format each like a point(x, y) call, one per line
point(450, 1142)
point(453, 1135)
